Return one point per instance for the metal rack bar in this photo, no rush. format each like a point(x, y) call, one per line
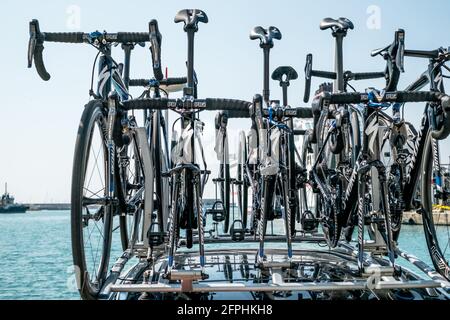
point(270, 287)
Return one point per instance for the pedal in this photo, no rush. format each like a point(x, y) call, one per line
point(416, 203)
point(276, 214)
point(155, 236)
point(218, 215)
point(308, 221)
point(374, 217)
point(237, 233)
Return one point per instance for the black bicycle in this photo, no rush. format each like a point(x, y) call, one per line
point(422, 162)
point(368, 178)
point(341, 149)
point(416, 179)
point(113, 169)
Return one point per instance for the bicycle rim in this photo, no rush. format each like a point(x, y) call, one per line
point(435, 215)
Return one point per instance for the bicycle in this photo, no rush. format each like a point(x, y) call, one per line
point(343, 146)
point(420, 164)
point(276, 169)
point(112, 146)
point(369, 204)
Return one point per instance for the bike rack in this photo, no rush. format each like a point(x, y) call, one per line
point(376, 277)
point(276, 285)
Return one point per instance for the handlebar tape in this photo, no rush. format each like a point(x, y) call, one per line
point(323, 74)
point(368, 75)
point(39, 62)
point(69, 37)
point(79, 37)
point(163, 82)
point(210, 104)
point(398, 96)
point(227, 104)
point(132, 37)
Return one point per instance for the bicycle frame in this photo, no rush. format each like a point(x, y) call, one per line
point(432, 76)
point(109, 77)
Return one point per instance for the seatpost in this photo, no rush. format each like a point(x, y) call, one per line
point(191, 18)
point(266, 85)
point(266, 37)
point(190, 63)
point(339, 60)
point(284, 86)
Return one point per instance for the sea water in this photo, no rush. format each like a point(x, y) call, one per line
point(36, 255)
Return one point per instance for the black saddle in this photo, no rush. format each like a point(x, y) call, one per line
point(191, 18)
point(341, 24)
point(265, 36)
point(284, 74)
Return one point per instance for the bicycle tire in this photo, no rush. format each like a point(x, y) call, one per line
point(308, 202)
point(224, 174)
point(157, 161)
point(89, 289)
point(123, 182)
point(241, 176)
point(437, 256)
point(292, 194)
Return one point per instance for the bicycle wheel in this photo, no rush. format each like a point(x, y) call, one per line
point(435, 202)
point(131, 188)
point(161, 192)
point(91, 214)
point(242, 176)
point(291, 191)
point(224, 183)
point(308, 198)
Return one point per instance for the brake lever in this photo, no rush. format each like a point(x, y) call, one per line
point(155, 48)
point(31, 48)
point(399, 56)
point(308, 68)
point(34, 34)
point(35, 49)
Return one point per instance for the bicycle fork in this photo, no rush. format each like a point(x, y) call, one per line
point(173, 217)
point(287, 214)
point(199, 206)
point(267, 188)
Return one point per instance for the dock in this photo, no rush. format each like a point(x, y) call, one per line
point(440, 217)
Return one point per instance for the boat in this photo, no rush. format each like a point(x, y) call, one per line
point(7, 204)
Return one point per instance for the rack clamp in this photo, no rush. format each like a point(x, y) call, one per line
point(187, 277)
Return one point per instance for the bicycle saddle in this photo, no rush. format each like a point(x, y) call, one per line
point(191, 18)
point(265, 36)
point(284, 74)
point(342, 24)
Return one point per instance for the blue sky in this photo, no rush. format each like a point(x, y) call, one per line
point(40, 119)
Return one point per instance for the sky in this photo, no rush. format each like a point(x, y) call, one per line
point(40, 119)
